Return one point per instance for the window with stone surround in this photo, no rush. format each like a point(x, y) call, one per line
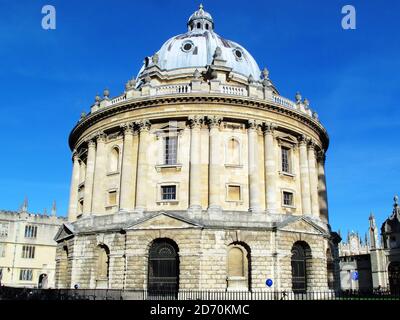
point(232, 152)
point(170, 149)
point(287, 198)
point(26, 275)
point(113, 160)
point(112, 197)
point(238, 267)
point(234, 193)
point(286, 160)
point(3, 229)
point(28, 252)
point(168, 192)
point(2, 250)
point(30, 231)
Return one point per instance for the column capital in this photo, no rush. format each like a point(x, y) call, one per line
point(312, 144)
point(214, 121)
point(128, 128)
point(91, 141)
point(195, 121)
point(143, 125)
point(269, 127)
point(303, 139)
point(100, 136)
point(75, 155)
point(253, 124)
point(321, 156)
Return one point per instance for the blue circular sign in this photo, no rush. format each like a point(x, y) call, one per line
point(355, 275)
point(269, 282)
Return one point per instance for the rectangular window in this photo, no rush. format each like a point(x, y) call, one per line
point(112, 198)
point(3, 229)
point(287, 198)
point(285, 159)
point(168, 192)
point(28, 252)
point(2, 250)
point(170, 152)
point(26, 275)
point(234, 193)
point(30, 231)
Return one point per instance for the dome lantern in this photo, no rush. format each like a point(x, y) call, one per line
point(200, 20)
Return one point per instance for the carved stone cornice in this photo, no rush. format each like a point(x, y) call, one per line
point(312, 144)
point(214, 121)
point(195, 121)
point(155, 101)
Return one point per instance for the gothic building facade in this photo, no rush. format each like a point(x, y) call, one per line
point(199, 176)
point(375, 262)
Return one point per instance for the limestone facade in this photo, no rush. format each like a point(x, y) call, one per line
point(27, 248)
point(207, 157)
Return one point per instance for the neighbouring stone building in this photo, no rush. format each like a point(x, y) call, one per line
point(376, 261)
point(27, 248)
point(199, 176)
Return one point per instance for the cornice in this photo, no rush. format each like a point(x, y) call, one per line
point(155, 101)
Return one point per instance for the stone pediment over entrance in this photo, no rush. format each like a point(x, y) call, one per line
point(303, 225)
point(163, 220)
point(66, 231)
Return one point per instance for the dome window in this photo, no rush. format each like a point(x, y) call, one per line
point(198, 25)
point(187, 46)
point(238, 54)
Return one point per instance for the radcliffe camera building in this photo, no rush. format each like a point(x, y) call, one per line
point(200, 175)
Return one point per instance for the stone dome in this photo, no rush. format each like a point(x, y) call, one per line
point(197, 47)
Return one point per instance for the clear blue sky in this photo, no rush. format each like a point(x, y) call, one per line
point(351, 77)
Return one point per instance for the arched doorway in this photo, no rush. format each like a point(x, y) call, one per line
point(394, 277)
point(301, 253)
point(42, 283)
point(330, 269)
point(163, 267)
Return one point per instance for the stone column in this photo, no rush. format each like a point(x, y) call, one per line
point(99, 196)
point(271, 173)
point(127, 187)
point(304, 177)
point(312, 165)
point(195, 165)
point(142, 167)
point(322, 189)
point(88, 193)
point(214, 183)
point(73, 194)
point(254, 174)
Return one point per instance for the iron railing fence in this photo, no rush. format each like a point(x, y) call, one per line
point(11, 293)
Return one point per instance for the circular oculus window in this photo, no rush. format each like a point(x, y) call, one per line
point(238, 53)
point(187, 46)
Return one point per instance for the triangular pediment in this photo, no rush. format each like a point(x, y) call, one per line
point(66, 231)
point(163, 221)
point(301, 225)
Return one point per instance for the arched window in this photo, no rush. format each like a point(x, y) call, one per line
point(113, 161)
point(103, 262)
point(301, 253)
point(163, 267)
point(233, 152)
point(207, 26)
point(238, 267)
point(198, 25)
